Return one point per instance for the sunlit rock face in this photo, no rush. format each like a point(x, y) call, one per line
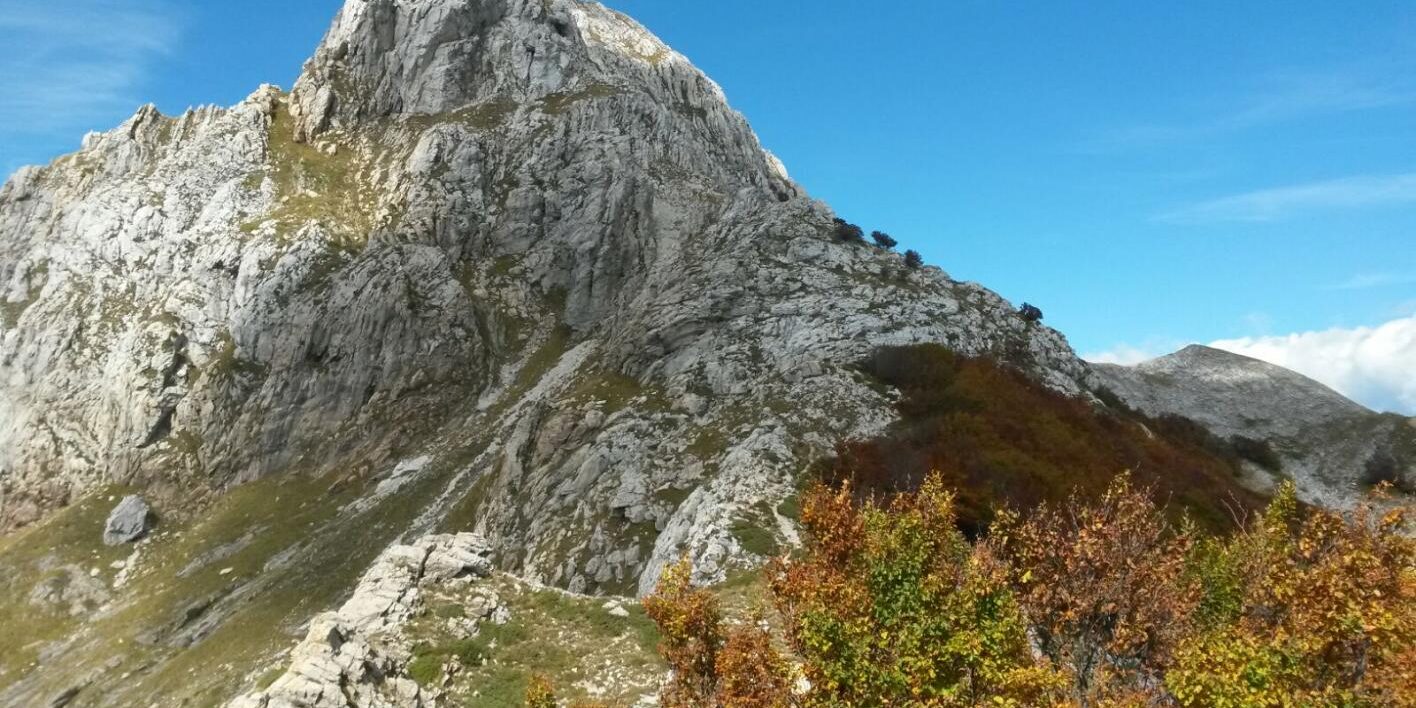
point(521, 239)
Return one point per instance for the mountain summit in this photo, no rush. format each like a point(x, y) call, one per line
point(1324, 441)
point(511, 267)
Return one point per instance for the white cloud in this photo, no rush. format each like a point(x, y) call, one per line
point(1375, 366)
point(1123, 354)
point(1282, 202)
point(69, 66)
point(1276, 99)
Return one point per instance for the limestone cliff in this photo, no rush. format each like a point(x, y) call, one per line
point(511, 267)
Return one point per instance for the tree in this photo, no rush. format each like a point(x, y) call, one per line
point(891, 606)
point(1104, 589)
point(713, 667)
point(883, 240)
point(1314, 609)
point(1030, 313)
point(691, 626)
point(1381, 468)
point(1103, 602)
point(913, 260)
point(752, 674)
point(848, 232)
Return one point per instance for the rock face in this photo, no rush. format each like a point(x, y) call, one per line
point(128, 522)
point(346, 660)
point(521, 239)
point(1325, 441)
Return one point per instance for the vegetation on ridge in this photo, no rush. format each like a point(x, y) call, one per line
point(1094, 603)
point(1001, 439)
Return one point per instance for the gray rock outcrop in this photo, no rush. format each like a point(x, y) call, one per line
point(128, 522)
point(523, 239)
point(347, 659)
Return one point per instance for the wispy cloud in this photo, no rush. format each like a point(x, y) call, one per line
point(1278, 98)
point(1368, 281)
point(1373, 365)
point(1130, 354)
point(68, 66)
point(1283, 202)
point(1123, 354)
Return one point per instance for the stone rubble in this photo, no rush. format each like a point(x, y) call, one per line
point(344, 660)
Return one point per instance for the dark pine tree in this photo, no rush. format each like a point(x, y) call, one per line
point(848, 232)
point(883, 239)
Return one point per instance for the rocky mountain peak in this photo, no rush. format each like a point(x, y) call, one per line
point(509, 276)
point(386, 58)
point(1250, 378)
point(508, 267)
point(1324, 440)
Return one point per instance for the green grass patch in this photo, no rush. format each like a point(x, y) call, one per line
point(567, 638)
point(558, 103)
point(755, 539)
point(291, 514)
point(335, 190)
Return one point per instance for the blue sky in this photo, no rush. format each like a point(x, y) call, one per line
point(1150, 174)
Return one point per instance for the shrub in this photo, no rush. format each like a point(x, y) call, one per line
point(1101, 602)
point(691, 626)
point(913, 260)
point(883, 240)
point(751, 674)
point(1030, 313)
point(890, 605)
point(1326, 614)
point(848, 232)
point(1259, 452)
point(1104, 587)
point(1381, 468)
point(1001, 439)
point(539, 693)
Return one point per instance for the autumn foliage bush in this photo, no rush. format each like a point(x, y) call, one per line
point(1099, 601)
point(1001, 440)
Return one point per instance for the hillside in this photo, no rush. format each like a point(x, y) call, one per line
point(1326, 442)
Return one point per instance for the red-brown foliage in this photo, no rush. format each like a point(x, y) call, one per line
point(1001, 439)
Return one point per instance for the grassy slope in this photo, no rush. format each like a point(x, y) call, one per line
point(268, 601)
point(574, 641)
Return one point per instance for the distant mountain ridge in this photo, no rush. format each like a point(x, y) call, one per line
point(1326, 440)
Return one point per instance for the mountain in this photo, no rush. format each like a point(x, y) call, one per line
point(453, 347)
point(1324, 441)
point(504, 267)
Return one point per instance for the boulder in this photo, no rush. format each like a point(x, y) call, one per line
point(128, 522)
